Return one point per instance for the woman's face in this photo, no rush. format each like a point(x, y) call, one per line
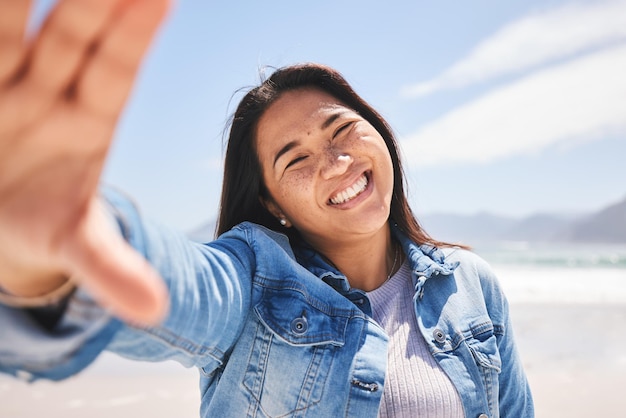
point(327, 170)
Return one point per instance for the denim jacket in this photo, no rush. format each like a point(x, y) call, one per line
point(277, 332)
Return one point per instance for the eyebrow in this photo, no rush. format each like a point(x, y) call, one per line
point(329, 121)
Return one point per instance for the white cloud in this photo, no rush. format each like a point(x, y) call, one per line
point(582, 99)
point(534, 40)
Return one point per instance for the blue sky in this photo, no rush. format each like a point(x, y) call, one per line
point(512, 107)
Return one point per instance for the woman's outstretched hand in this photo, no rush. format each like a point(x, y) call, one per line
point(60, 97)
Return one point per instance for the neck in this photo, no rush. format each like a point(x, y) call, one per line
point(368, 261)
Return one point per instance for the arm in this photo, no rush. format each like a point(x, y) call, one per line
point(209, 288)
point(515, 395)
point(71, 81)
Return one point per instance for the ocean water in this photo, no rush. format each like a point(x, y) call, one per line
point(559, 273)
point(554, 255)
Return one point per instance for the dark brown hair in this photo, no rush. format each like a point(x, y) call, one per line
point(243, 180)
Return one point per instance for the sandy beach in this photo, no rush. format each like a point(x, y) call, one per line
point(575, 358)
point(574, 352)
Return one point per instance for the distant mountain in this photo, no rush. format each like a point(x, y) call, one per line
point(466, 228)
point(607, 225)
point(540, 227)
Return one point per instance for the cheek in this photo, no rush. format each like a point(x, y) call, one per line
point(296, 191)
point(376, 148)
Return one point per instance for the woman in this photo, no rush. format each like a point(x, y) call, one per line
point(321, 297)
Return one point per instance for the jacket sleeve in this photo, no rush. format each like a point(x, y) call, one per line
point(515, 398)
point(514, 394)
point(209, 287)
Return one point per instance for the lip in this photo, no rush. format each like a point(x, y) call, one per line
point(357, 199)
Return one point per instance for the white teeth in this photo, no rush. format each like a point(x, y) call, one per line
point(351, 192)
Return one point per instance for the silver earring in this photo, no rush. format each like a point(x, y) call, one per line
point(283, 221)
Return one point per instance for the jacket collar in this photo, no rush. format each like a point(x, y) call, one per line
point(425, 260)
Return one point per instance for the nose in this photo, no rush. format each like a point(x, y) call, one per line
point(336, 164)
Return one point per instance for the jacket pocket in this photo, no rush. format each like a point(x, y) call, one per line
point(484, 347)
point(292, 353)
point(483, 344)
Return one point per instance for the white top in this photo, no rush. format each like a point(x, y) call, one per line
point(415, 385)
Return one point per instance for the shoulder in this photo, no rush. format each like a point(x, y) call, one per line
point(252, 245)
point(254, 233)
point(473, 270)
point(271, 250)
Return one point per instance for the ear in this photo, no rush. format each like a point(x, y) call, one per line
point(275, 211)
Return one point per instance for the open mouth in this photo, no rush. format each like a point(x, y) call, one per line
point(351, 192)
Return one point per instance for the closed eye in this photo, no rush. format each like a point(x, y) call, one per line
point(342, 128)
point(295, 161)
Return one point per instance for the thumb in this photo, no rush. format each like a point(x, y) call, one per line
point(116, 275)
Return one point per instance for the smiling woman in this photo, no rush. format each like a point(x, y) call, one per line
point(322, 295)
point(242, 180)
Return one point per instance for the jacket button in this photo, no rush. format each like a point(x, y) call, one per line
point(483, 416)
point(299, 325)
point(440, 337)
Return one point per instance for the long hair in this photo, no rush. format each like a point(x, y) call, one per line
point(243, 181)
